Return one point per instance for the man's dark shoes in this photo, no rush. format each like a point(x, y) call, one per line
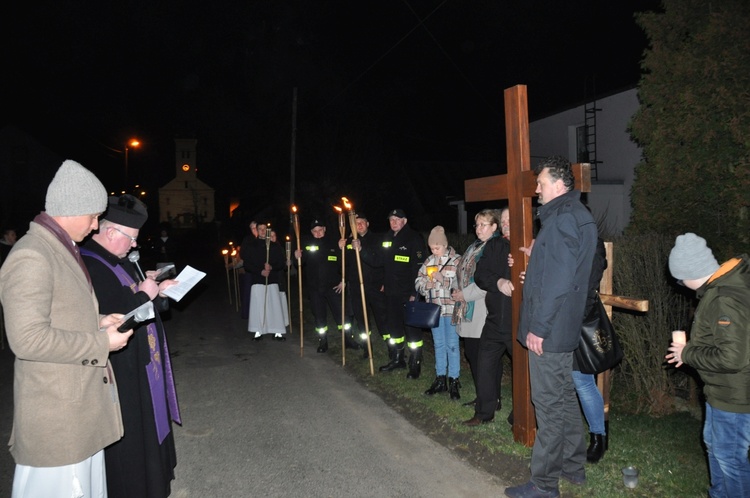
point(476, 421)
point(529, 490)
point(579, 479)
point(322, 345)
point(396, 360)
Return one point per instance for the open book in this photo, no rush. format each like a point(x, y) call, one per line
point(187, 280)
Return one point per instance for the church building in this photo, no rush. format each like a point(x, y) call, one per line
point(186, 202)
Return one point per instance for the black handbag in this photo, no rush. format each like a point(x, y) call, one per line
point(598, 348)
point(421, 314)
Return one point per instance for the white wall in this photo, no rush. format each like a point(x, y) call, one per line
point(618, 155)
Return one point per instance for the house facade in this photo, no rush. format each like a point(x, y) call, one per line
point(569, 133)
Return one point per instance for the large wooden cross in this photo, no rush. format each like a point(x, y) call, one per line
point(518, 186)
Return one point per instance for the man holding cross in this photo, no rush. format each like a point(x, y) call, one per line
point(554, 297)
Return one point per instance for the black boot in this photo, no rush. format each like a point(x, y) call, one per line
point(438, 386)
point(397, 360)
point(415, 364)
point(595, 451)
point(322, 343)
point(453, 389)
point(350, 342)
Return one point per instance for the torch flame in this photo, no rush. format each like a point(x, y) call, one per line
point(347, 205)
point(294, 208)
point(338, 209)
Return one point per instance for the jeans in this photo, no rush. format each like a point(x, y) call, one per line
point(727, 438)
point(447, 352)
point(591, 401)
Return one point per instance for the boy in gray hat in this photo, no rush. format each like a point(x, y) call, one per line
point(66, 407)
point(719, 349)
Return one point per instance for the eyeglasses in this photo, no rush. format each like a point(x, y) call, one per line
point(477, 225)
point(133, 240)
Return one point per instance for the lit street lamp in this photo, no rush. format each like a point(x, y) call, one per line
point(130, 143)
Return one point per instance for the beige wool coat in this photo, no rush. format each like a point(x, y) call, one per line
point(66, 406)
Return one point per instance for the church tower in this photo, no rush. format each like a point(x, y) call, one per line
point(186, 202)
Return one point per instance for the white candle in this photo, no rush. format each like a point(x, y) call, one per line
point(678, 336)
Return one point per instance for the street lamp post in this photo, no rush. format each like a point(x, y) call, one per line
point(130, 143)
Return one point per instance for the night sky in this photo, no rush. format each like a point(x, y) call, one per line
point(378, 83)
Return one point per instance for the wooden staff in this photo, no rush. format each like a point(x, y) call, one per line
point(342, 231)
point(353, 223)
point(288, 281)
point(268, 252)
point(295, 220)
point(235, 271)
point(225, 253)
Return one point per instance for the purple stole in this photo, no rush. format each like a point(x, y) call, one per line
point(160, 396)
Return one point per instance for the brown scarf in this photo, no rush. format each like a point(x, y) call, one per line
point(46, 221)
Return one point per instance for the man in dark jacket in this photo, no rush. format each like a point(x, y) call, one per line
point(554, 297)
point(719, 349)
point(369, 246)
point(403, 255)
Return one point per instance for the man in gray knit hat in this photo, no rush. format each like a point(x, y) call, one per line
point(66, 407)
point(719, 349)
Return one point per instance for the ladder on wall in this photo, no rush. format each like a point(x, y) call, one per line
point(590, 111)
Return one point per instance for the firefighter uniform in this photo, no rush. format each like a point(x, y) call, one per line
point(403, 254)
point(322, 272)
point(371, 263)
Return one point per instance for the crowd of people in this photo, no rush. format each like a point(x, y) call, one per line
point(94, 402)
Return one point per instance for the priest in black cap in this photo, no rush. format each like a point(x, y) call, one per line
point(142, 462)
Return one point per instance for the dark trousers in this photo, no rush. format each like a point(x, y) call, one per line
point(493, 344)
point(559, 445)
point(375, 301)
point(319, 300)
point(400, 333)
point(471, 353)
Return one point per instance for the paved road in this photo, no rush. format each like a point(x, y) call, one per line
point(261, 421)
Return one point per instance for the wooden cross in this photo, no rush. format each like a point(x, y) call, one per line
point(518, 186)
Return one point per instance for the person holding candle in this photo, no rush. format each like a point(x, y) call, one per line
point(435, 280)
point(719, 350)
point(246, 280)
point(265, 264)
point(320, 258)
point(403, 252)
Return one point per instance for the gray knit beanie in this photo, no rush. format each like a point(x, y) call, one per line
point(691, 258)
point(75, 191)
point(437, 237)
